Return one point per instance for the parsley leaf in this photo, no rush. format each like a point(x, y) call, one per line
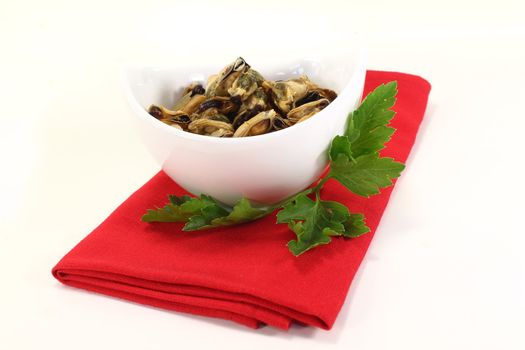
point(367, 128)
point(355, 161)
point(315, 221)
point(171, 212)
point(243, 211)
point(366, 174)
point(340, 145)
point(355, 226)
point(204, 212)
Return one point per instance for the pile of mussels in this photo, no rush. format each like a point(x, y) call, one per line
point(240, 102)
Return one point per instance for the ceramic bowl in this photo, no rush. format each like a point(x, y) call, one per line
point(265, 168)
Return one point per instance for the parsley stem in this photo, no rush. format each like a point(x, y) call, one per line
point(289, 200)
point(320, 184)
point(308, 191)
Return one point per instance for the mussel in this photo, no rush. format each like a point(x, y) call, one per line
point(193, 89)
point(246, 115)
point(285, 93)
point(211, 127)
point(256, 103)
point(175, 118)
point(189, 102)
point(239, 102)
point(280, 123)
point(193, 104)
point(259, 124)
point(217, 104)
point(314, 95)
point(306, 110)
point(219, 84)
point(220, 117)
point(258, 98)
point(246, 84)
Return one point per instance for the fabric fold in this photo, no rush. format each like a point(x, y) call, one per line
point(242, 273)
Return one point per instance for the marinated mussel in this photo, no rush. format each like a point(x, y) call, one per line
point(261, 123)
point(211, 127)
point(240, 102)
point(305, 111)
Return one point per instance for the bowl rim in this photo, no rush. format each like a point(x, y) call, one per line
point(360, 67)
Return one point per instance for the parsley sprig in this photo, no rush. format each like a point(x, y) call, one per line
point(354, 161)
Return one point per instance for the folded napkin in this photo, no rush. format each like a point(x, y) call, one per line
point(242, 273)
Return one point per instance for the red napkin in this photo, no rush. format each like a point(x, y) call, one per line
point(243, 273)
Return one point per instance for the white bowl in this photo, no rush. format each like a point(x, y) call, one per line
point(265, 168)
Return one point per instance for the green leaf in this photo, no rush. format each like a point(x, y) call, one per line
point(242, 212)
point(367, 128)
point(366, 174)
point(340, 145)
point(169, 213)
point(204, 212)
point(313, 222)
point(178, 200)
point(355, 226)
point(195, 205)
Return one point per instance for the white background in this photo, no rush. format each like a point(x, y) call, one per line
point(446, 269)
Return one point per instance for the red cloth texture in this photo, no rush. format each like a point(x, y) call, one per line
point(243, 273)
